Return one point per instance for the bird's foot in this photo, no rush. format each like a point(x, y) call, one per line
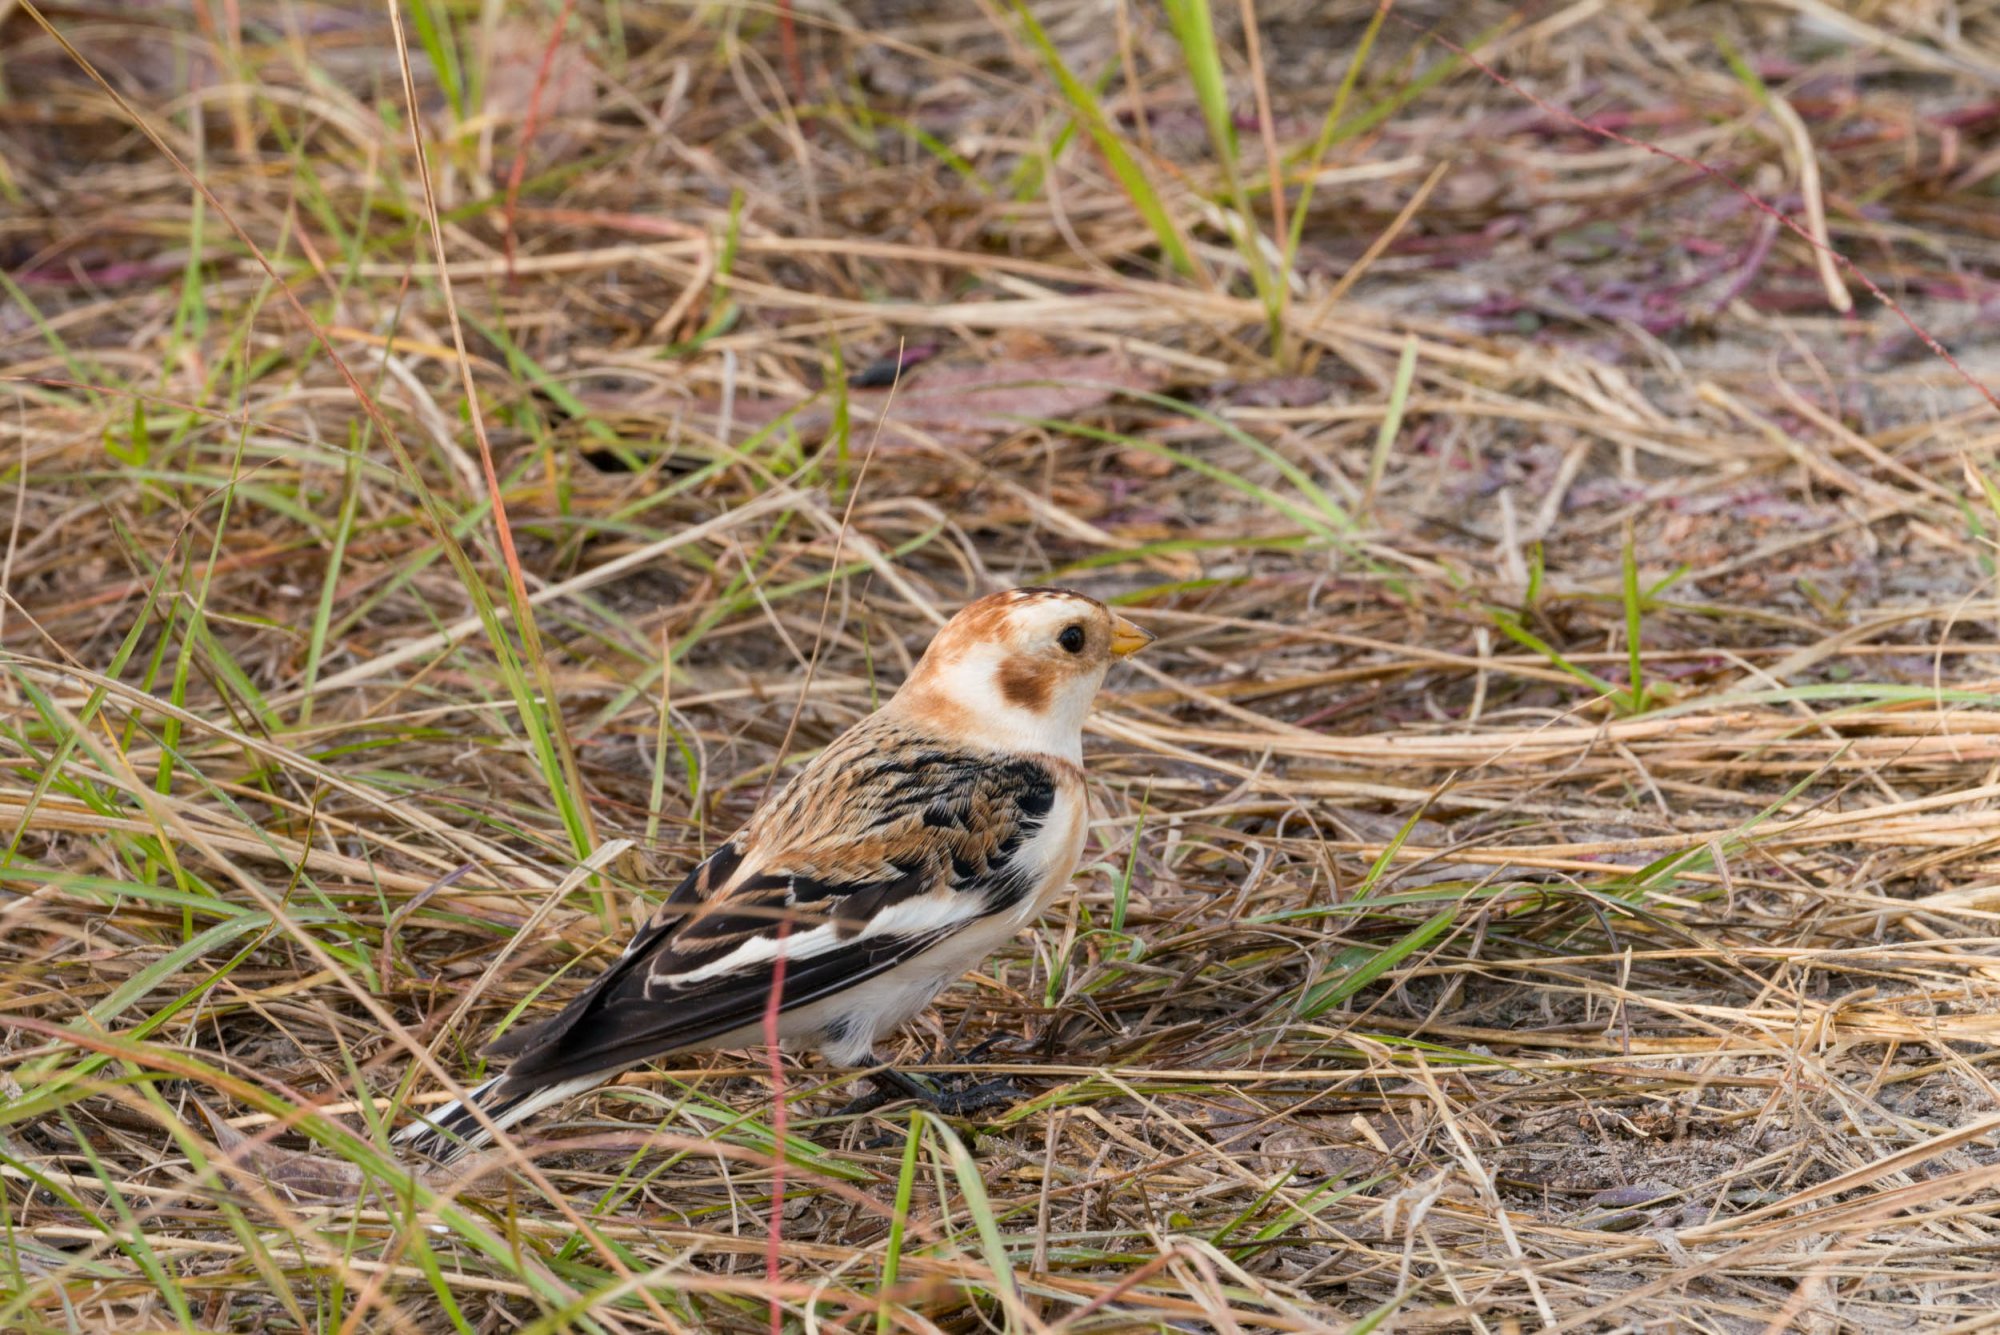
point(877, 1095)
point(951, 1098)
point(969, 1099)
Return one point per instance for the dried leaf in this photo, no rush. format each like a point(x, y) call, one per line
point(297, 1176)
point(963, 405)
point(568, 91)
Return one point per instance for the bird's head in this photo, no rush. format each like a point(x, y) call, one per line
point(1016, 671)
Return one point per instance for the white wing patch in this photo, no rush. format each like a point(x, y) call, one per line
point(757, 950)
point(913, 917)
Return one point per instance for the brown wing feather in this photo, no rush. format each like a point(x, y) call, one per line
point(882, 817)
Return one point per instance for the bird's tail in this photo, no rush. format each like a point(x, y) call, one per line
point(445, 1133)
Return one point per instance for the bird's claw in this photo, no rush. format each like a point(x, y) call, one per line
point(890, 1085)
point(977, 1098)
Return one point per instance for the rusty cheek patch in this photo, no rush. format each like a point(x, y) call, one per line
point(1026, 685)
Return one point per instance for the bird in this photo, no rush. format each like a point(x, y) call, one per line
point(919, 841)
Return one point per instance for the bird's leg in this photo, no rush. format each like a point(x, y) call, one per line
point(901, 1084)
point(981, 1048)
point(880, 1091)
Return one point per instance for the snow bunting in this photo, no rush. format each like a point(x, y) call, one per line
point(923, 838)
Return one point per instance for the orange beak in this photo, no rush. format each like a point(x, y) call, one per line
point(1126, 638)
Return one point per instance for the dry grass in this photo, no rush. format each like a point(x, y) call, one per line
point(1547, 868)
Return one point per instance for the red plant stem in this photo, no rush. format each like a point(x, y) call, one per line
point(774, 1238)
point(519, 171)
point(788, 47)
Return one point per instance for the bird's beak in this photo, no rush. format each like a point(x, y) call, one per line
point(1126, 638)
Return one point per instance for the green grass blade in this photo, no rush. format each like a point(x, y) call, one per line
point(992, 1243)
point(899, 1219)
point(1124, 167)
point(1324, 995)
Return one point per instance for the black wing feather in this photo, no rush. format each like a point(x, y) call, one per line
point(622, 1034)
point(935, 818)
point(710, 873)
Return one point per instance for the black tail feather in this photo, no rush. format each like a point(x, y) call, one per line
point(447, 1132)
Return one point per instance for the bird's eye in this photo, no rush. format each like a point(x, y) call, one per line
point(1071, 639)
